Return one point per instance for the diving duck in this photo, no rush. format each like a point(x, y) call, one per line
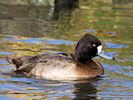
point(61, 65)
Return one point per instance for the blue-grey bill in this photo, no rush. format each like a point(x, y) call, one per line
point(104, 55)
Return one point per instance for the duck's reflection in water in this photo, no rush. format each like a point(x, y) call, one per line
point(86, 90)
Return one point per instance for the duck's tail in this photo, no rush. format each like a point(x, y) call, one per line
point(14, 61)
point(22, 64)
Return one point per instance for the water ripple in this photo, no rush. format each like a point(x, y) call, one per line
point(113, 45)
point(50, 41)
point(6, 53)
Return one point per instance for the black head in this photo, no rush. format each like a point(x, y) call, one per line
point(87, 48)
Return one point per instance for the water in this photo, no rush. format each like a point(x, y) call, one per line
point(30, 29)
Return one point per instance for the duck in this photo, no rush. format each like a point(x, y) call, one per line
point(77, 65)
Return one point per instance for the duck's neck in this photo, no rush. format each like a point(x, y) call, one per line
point(81, 60)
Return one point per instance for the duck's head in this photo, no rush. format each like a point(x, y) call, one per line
point(88, 47)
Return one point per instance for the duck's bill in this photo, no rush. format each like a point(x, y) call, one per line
point(104, 55)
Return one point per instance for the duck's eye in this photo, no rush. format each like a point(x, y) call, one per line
point(94, 45)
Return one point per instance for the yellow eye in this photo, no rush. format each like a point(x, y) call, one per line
point(94, 45)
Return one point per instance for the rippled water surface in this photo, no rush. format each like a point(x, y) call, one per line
point(29, 28)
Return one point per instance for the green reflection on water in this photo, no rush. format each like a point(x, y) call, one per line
point(24, 21)
point(106, 16)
